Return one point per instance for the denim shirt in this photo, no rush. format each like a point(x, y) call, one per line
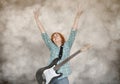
point(54, 51)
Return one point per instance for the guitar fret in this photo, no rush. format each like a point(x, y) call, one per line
point(66, 60)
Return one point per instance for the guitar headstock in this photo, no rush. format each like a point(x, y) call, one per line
point(86, 47)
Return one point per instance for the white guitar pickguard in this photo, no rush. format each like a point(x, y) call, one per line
point(49, 74)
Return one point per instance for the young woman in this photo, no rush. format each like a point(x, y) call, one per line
point(54, 43)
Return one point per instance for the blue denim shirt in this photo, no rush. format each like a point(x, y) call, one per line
point(54, 51)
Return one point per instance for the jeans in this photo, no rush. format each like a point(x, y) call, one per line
point(60, 81)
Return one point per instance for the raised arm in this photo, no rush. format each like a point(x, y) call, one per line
point(44, 35)
point(77, 17)
point(40, 26)
point(74, 27)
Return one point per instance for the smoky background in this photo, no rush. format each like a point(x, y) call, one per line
point(23, 52)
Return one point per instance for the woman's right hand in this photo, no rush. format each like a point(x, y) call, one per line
point(36, 13)
point(36, 16)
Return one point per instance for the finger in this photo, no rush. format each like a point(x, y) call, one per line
point(33, 11)
point(38, 9)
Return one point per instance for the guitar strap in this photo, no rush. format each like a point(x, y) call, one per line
point(60, 52)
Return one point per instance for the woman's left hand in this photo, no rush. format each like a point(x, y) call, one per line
point(77, 17)
point(79, 11)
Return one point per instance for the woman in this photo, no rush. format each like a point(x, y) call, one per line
point(57, 40)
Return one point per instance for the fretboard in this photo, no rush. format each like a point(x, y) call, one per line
point(57, 67)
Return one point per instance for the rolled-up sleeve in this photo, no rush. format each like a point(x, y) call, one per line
point(47, 40)
point(71, 37)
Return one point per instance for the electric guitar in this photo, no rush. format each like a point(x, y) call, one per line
point(46, 74)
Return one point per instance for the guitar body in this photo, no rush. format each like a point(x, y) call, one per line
point(46, 74)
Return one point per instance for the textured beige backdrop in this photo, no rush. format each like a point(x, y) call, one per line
point(22, 50)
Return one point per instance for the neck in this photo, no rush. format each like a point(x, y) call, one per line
point(57, 67)
point(59, 44)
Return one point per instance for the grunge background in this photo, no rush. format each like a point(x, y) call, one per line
point(22, 50)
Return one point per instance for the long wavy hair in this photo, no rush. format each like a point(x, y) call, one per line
point(62, 37)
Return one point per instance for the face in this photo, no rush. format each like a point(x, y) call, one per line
point(57, 38)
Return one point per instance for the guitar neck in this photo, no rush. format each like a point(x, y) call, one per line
point(66, 60)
